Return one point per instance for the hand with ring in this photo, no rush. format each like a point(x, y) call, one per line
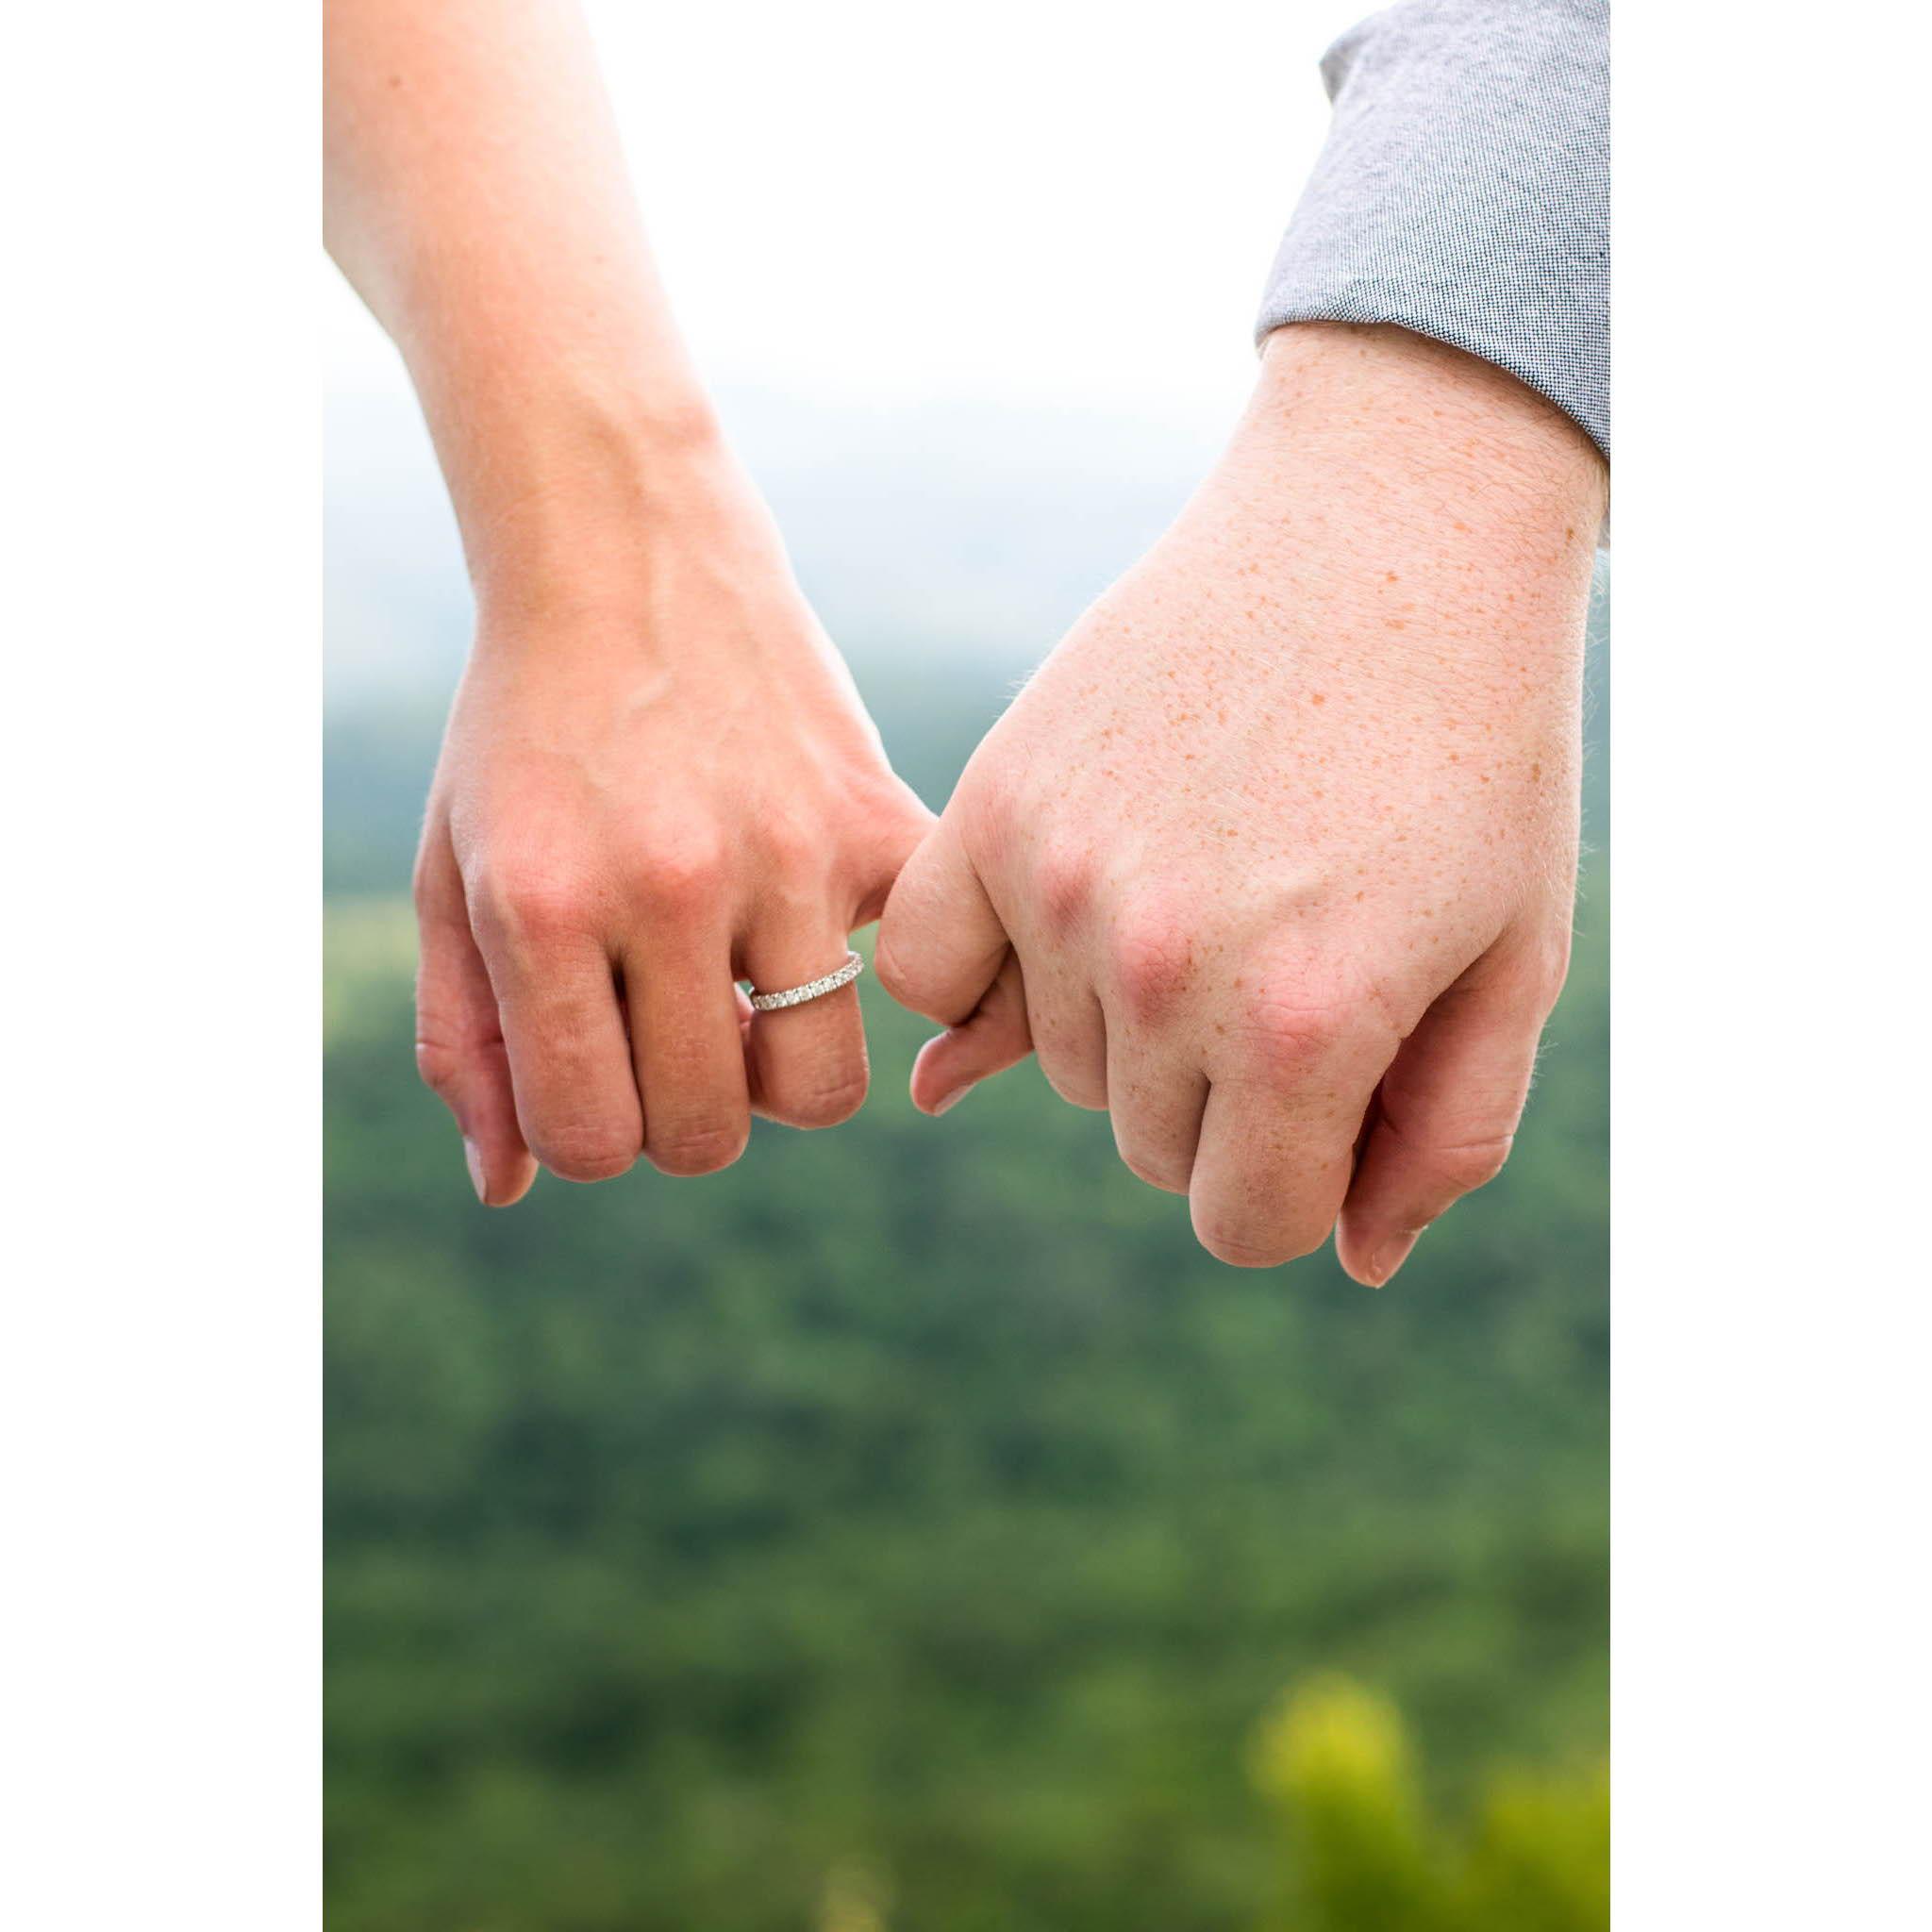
point(657, 778)
point(638, 805)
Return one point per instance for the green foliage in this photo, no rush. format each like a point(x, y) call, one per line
point(912, 1522)
point(1364, 1854)
point(1542, 1860)
point(1338, 1761)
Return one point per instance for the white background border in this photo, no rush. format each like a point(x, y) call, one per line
point(1770, 969)
point(160, 1362)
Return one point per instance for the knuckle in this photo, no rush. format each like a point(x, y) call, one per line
point(686, 1151)
point(597, 1155)
point(1170, 1177)
point(1530, 978)
point(1552, 969)
point(682, 880)
point(1293, 1032)
point(1076, 1084)
point(437, 1066)
point(1249, 1247)
point(792, 851)
point(1240, 1248)
point(823, 1102)
point(1064, 879)
point(530, 902)
point(1072, 1059)
point(1153, 961)
point(895, 964)
point(1471, 1166)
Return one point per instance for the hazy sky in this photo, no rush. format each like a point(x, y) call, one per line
point(1056, 203)
point(977, 285)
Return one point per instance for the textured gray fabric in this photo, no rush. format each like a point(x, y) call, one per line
point(1464, 191)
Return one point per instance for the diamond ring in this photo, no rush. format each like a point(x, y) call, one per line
point(811, 989)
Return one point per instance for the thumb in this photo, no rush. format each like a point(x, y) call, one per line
point(942, 952)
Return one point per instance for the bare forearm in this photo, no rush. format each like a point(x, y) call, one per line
point(475, 196)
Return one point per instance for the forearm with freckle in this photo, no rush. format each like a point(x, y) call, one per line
point(1381, 410)
point(1412, 500)
point(475, 196)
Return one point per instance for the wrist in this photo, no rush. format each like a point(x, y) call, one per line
point(1387, 413)
point(1406, 518)
point(580, 498)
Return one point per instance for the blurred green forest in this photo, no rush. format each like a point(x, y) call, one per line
point(911, 1526)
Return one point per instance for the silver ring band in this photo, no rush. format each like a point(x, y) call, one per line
point(811, 989)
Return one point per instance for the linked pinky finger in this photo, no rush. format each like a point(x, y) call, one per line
point(460, 1049)
point(992, 1038)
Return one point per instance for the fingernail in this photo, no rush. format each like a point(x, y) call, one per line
point(474, 1161)
point(954, 1098)
point(1389, 1258)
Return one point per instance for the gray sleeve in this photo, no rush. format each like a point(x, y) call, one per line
point(1464, 191)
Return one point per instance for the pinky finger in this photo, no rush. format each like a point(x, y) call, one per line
point(460, 1050)
point(993, 1038)
point(1442, 1126)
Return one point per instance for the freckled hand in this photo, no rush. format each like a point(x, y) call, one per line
point(1274, 858)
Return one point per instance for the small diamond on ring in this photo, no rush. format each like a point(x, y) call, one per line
point(811, 989)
